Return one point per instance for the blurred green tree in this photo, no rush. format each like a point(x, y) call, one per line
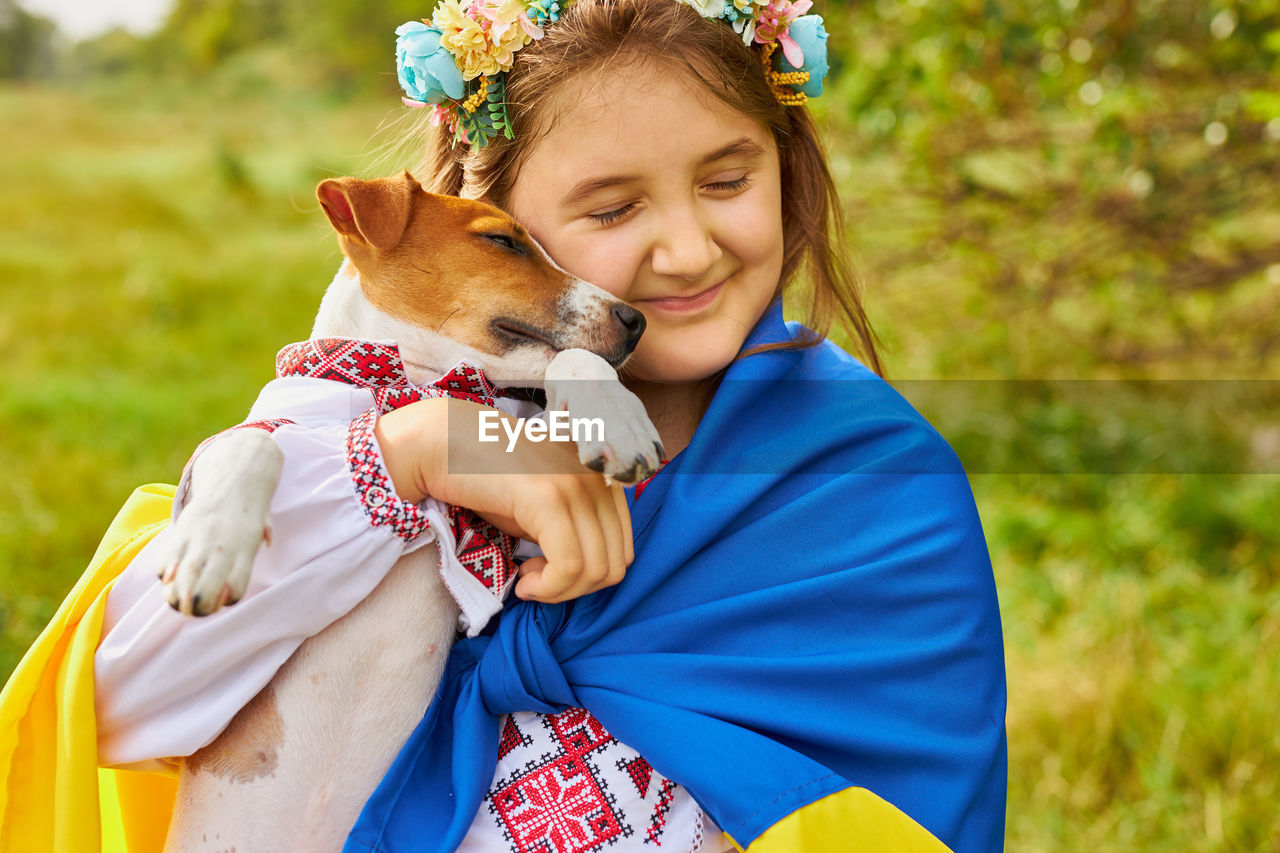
point(1102, 167)
point(334, 46)
point(26, 43)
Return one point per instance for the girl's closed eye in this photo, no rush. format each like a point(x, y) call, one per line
point(610, 216)
point(734, 185)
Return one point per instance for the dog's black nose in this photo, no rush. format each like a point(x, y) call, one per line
point(631, 320)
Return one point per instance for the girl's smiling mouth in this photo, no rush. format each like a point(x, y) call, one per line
point(685, 304)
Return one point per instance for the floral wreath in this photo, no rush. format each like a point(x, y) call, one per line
point(457, 61)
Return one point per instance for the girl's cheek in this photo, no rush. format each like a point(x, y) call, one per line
point(756, 227)
point(606, 262)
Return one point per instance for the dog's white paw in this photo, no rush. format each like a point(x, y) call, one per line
point(630, 449)
point(213, 543)
point(210, 554)
point(584, 385)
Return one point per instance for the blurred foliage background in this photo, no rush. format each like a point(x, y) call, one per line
point(1066, 214)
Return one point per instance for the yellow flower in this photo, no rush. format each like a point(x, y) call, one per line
point(464, 38)
point(479, 63)
point(507, 44)
point(483, 34)
point(509, 28)
point(449, 16)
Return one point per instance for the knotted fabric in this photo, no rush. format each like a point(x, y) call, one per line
point(811, 608)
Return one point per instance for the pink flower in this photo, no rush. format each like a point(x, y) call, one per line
point(774, 23)
point(502, 15)
point(443, 115)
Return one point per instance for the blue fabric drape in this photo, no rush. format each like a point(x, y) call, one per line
point(811, 607)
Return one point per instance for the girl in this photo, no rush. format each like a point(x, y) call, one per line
point(806, 649)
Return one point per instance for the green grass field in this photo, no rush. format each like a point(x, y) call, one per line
point(157, 252)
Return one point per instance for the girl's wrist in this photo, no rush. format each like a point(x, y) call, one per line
point(414, 444)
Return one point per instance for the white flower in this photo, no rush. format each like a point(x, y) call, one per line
point(707, 8)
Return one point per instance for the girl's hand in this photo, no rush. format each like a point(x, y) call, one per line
point(538, 491)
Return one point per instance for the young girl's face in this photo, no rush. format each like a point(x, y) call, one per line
point(668, 199)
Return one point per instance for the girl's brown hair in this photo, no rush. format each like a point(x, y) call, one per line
point(593, 35)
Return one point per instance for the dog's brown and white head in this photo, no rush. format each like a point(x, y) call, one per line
point(453, 279)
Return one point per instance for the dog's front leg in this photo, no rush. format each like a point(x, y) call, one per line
point(214, 541)
point(582, 383)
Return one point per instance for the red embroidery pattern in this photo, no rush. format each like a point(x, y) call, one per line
point(512, 738)
point(483, 549)
point(377, 497)
point(378, 366)
point(641, 773)
point(559, 809)
point(561, 800)
point(658, 822)
point(268, 425)
point(560, 804)
point(344, 360)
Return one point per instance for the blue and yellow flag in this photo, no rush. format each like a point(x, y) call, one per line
point(808, 639)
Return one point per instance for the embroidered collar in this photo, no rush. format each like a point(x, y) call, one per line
point(379, 367)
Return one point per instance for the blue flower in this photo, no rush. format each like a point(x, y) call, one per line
point(811, 36)
point(427, 71)
point(542, 12)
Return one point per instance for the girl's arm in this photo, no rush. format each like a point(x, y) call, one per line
point(167, 684)
point(542, 493)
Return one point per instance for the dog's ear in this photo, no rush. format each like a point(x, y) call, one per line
point(375, 212)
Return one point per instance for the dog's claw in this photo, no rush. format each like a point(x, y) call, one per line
point(658, 448)
point(628, 453)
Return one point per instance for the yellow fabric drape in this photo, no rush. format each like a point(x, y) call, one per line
point(851, 820)
point(53, 797)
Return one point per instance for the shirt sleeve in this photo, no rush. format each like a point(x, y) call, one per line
point(479, 595)
point(168, 684)
point(476, 595)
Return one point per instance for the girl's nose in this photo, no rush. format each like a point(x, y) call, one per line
point(684, 247)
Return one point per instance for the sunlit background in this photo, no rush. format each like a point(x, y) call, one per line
point(1074, 202)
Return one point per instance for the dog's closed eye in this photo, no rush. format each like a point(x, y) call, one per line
point(507, 242)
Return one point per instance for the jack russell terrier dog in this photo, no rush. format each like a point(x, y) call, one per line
point(336, 714)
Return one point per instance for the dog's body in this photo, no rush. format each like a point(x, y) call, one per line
point(295, 766)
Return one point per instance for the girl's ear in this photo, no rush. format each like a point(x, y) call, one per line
point(373, 212)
